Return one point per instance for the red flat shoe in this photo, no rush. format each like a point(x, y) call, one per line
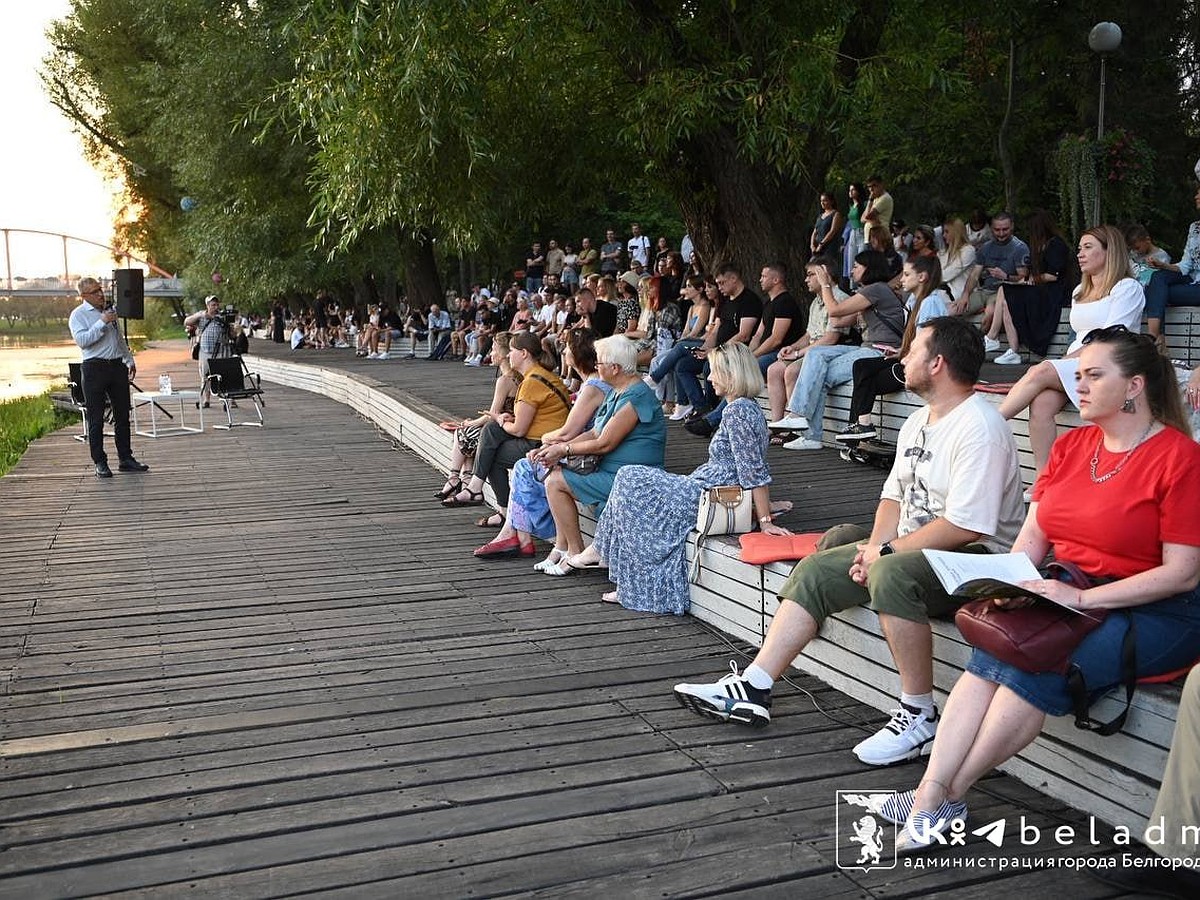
point(499, 549)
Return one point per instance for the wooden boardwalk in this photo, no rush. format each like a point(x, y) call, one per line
point(270, 667)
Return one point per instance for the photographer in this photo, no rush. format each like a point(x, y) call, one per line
point(212, 336)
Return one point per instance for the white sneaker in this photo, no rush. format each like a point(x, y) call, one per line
point(908, 735)
point(372, 356)
point(650, 381)
point(990, 345)
point(1009, 357)
point(789, 423)
point(474, 362)
point(384, 355)
point(803, 443)
point(681, 413)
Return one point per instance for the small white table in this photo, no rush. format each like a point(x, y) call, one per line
point(183, 399)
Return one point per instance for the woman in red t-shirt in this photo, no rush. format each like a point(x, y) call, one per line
point(1118, 498)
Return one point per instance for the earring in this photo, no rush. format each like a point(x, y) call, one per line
point(1127, 406)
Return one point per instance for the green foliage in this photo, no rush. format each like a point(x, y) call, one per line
point(25, 420)
point(332, 143)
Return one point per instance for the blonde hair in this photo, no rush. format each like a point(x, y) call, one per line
point(736, 367)
point(1116, 261)
point(954, 233)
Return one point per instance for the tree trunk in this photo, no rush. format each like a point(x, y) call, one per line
point(422, 282)
point(741, 214)
point(1006, 166)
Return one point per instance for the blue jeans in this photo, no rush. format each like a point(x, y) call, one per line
point(764, 362)
point(1166, 633)
point(662, 366)
point(1169, 289)
point(823, 368)
point(533, 285)
point(688, 374)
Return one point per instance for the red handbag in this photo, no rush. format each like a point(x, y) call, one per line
point(1041, 638)
point(1037, 638)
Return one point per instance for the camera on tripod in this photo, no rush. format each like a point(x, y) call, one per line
point(228, 316)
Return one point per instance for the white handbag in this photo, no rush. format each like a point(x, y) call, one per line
point(725, 509)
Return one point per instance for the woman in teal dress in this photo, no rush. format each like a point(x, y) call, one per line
point(629, 429)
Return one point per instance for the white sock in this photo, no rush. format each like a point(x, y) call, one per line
point(758, 677)
point(923, 702)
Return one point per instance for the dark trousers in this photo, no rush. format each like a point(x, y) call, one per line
point(873, 376)
point(498, 452)
point(106, 378)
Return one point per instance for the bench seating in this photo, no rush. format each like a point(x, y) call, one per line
point(1115, 779)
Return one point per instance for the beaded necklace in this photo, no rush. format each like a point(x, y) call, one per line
point(1124, 459)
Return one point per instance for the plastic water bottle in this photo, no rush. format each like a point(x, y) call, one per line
point(164, 384)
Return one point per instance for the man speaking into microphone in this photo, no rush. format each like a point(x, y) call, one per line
point(108, 367)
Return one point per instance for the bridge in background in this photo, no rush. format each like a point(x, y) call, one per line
point(159, 283)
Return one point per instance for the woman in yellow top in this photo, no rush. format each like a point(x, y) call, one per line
point(542, 405)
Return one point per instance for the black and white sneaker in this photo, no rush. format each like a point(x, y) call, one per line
point(729, 699)
point(856, 433)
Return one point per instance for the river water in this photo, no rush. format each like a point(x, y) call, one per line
point(30, 365)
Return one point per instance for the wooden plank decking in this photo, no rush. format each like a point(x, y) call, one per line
point(270, 666)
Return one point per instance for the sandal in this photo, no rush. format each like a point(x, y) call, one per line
point(554, 558)
point(450, 488)
point(474, 498)
point(486, 521)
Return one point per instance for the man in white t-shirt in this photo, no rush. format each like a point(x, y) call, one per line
point(638, 246)
point(955, 485)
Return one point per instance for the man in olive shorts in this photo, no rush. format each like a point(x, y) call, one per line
point(955, 485)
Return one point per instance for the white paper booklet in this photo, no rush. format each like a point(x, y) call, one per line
point(985, 574)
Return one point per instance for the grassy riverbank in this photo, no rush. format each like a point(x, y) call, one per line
point(25, 420)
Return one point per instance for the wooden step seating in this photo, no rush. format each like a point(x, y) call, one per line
point(1115, 779)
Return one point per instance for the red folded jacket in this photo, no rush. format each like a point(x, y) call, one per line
point(759, 548)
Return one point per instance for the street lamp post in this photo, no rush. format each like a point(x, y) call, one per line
point(1104, 39)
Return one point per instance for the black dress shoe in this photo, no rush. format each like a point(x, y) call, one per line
point(132, 465)
point(103, 471)
point(700, 427)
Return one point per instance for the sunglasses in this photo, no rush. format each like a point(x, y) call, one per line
point(1114, 333)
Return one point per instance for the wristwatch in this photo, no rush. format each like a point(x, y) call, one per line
point(886, 549)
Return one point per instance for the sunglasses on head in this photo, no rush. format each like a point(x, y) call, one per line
point(1114, 332)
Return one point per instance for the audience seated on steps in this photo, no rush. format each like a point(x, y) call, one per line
point(875, 375)
point(1003, 259)
point(955, 485)
point(1174, 285)
point(1029, 313)
point(542, 405)
point(643, 530)
point(781, 375)
point(782, 324)
point(629, 429)
point(580, 354)
point(467, 432)
point(1118, 499)
point(1105, 296)
point(825, 367)
point(696, 294)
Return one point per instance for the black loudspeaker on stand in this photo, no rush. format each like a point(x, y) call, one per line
point(129, 287)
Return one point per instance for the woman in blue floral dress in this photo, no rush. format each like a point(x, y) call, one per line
point(643, 530)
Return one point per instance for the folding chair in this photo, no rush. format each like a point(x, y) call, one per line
point(75, 383)
point(230, 380)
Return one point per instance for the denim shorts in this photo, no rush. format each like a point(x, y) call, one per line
point(1167, 638)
